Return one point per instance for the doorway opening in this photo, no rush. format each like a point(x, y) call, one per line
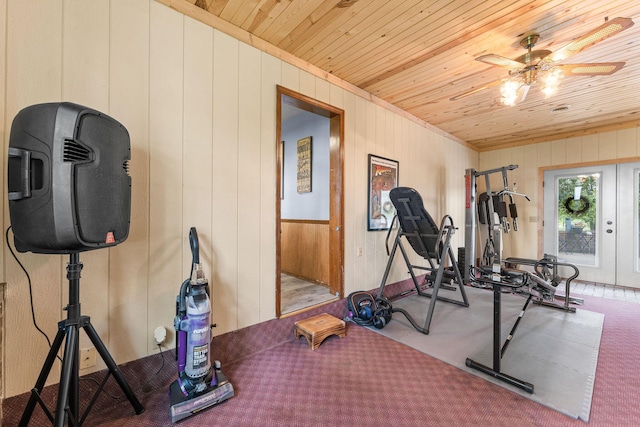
point(592, 220)
point(309, 205)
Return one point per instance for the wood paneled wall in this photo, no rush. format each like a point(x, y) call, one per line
point(305, 250)
point(200, 107)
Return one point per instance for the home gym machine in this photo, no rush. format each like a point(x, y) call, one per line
point(431, 243)
point(489, 209)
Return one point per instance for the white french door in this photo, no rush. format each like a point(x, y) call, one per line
point(591, 220)
point(628, 249)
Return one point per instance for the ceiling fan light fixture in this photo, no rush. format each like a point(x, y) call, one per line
point(509, 91)
point(550, 81)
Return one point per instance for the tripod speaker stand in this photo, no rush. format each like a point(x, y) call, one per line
point(68, 404)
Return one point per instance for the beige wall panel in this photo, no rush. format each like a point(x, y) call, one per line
point(166, 155)
point(608, 146)
point(85, 50)
point(290, 76)
point(270, 77)
point(225, 183)
point(85, 80)
point(129, 104)
point(307, 84)
point(323, 91)
point(558, 153)
point(381, 148)
point(33, 75)
point(574, 149)
point(590, 148)
point(337, 96)
point(356, 195)
point(347, 102)
point(250, 183)
point(371, 246)
point(544, 154)
point(627, 143)
point(197, 156)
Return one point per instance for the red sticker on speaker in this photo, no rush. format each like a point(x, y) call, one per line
point(110, 239)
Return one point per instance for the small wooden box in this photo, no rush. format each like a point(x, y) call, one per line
point(316, 329)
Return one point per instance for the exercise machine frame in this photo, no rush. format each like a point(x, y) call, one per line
point(441, 250)
point(539, 284)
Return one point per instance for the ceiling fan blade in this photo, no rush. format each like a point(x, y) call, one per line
point(591, 69)
point(476, 90)
point(602, 32)
point(501, 61)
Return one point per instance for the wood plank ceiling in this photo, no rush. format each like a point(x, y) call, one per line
point(419, 54)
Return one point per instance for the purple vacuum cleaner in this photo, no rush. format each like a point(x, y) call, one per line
point(200, 384)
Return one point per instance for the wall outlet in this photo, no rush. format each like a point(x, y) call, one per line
point(87, 357)
point(359, 251)
point(160, 335)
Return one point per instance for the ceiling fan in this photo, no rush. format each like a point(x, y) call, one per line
point(542, 66)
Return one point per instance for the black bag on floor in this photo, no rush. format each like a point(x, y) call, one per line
point(365, 310)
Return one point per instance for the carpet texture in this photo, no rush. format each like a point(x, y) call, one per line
point(554, 350)
point(364, 379)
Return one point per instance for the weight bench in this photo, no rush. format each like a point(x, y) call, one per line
point(431, 243)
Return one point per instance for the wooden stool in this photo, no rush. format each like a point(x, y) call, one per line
point(315, 329)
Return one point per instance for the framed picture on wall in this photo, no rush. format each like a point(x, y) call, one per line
point(383, 176)
point(304, 165)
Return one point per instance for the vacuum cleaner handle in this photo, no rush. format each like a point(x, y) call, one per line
point(193, 241)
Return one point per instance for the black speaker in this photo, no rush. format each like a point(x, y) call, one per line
point(68, 179)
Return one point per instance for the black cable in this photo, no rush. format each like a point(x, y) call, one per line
point(141, 386)
point(161, 366)
point(33, 314)
point(35, 324)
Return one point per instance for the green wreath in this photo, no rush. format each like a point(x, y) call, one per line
point(582, 207)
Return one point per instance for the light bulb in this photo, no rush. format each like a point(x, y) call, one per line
point(509, 92)
point(550, 81)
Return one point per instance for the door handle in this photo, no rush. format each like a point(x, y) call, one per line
point(609, 230)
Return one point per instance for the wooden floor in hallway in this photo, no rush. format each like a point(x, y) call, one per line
point(296, 294)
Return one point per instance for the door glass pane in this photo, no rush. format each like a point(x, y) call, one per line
point(577, 205)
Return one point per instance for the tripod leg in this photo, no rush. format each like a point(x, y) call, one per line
point(68, 366)
point(113, 368)
point(42, 378)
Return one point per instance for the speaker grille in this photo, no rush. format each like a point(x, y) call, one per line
point(75, 152)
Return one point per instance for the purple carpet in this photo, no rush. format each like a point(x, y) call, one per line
point(364, 379)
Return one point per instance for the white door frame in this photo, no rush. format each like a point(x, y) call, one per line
point(617, 227)
point(628, 256)
point(601, 268)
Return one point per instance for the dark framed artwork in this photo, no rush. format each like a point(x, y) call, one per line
point(304, 165)
point(383, 176)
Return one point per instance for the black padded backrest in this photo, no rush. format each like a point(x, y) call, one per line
point(415, 222)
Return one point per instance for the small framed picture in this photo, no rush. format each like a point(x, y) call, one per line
point(383, 176)
point(304, 165)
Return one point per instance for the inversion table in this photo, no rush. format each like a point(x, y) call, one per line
point(431, 243)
